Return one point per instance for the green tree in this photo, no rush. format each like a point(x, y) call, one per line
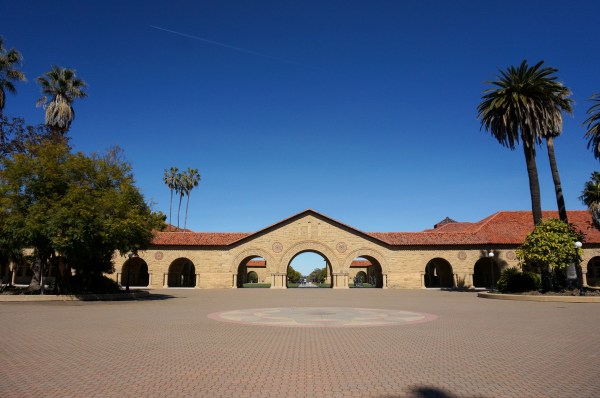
point(593, 126)
point(591, 197)
point(76, 207)
point(525, 106)
point(170, 178)
point(9, 72)
point(60, 87)
point(549, 246)
point(293, 276)
point(190, 180)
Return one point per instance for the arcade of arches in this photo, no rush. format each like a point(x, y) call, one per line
point(452, 254)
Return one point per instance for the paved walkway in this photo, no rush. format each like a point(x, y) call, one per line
point(170, 347)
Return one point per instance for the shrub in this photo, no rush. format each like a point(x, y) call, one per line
point(513, 280)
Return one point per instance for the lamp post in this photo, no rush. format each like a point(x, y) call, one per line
point(130, 255)
point(491, 256)
point(578, 268)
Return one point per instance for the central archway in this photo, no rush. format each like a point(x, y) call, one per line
point(309, 268)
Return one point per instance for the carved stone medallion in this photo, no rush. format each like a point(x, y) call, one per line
point(462, 255)
point(158, 256)
point(277, 247)
point(341, 247)
point(510, 255)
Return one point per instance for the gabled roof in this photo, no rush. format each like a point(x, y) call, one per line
point(504, 227)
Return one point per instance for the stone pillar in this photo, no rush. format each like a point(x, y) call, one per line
point(423, 280)
point(454, 280)
point(339, 281)
point(278, 280)
point(234, 281)
point(584, 281)
point(118, 278)
point(149, 279)
point(197, 286)
point(470, 280)
point(165, 280)
point(385, 285)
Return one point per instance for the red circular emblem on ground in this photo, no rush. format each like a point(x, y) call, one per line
point(321, 317)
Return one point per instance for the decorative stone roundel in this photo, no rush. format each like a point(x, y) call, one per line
point(462, 255)
point(341, 247)
point(277, 247)
point(510, 255)
point(158, 256)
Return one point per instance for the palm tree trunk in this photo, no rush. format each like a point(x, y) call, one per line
point(534, 183)
point(186, 210)
point(560, 200)
point(179, 209)
point(171, 207)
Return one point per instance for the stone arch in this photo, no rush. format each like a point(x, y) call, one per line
point(135, 271)
point(438, 273)
point(486, 272)
point(361, 277)
point(375, 274)
point(593, 271)
point(252, 277)
point(310, 246)
point(182, 273)
point(250, 253)
point(238, 266)
point(367, 254)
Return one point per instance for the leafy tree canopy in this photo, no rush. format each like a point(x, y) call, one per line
point(550, 245)
point(82, 208)
point(293, 275)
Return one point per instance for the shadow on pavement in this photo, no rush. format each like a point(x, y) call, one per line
point(425, 392)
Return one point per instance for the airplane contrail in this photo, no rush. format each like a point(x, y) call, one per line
point(229, 46)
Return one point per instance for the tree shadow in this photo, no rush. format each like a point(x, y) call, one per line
point(425, 392)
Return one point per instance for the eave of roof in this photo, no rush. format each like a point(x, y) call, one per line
point(502, 228)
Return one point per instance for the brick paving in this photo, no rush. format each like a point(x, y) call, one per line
point(168, 347)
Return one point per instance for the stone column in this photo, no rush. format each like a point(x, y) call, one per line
point(149, 279)
point(471, 280)
point(165, 280)
point(423, 280)
point(278, 279)
point(338, 281)
point(234, 281)
point(584, 281)
point(197, 281)
point(385, 286)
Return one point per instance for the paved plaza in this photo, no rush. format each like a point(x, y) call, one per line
point(216, 343)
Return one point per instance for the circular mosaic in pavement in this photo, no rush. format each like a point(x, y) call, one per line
point(320, 317)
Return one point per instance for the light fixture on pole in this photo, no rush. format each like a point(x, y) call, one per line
point(578, 246)
point(491, 256)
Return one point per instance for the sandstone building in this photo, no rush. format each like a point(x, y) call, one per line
point(452, 254)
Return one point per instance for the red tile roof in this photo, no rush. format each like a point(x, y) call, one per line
point(360, 263)
point(256, 263)
point(505, 227)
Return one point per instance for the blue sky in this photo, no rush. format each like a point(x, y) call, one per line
point(362, 110)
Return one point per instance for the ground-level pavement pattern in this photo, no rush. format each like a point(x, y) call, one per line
point(168, 346)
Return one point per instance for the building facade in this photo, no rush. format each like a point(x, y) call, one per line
point(452, 254)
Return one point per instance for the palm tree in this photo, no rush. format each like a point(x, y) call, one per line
point(170, 178)
point(180, 190)
point(524, 106)
point(591, 197)
point(593, 125)
point(63, 87)
point(8, 71)
point(559, 101)
point(191, 180)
